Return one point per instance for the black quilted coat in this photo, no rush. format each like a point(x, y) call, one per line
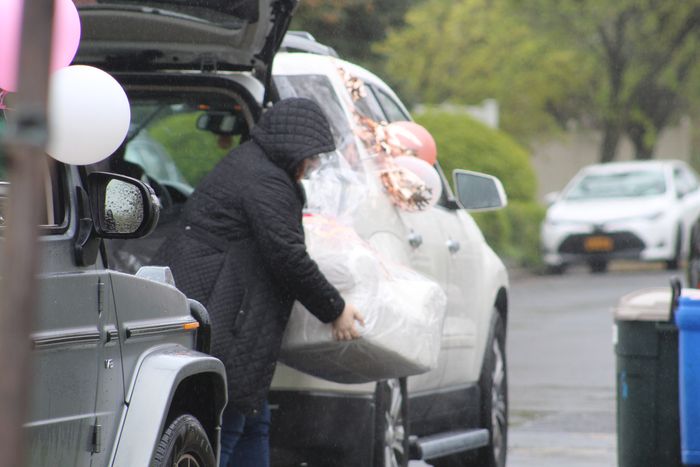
point(240, 248)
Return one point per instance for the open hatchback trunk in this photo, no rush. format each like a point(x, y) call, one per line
point(206, 35)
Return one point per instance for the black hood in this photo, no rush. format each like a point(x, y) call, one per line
point(293, 130)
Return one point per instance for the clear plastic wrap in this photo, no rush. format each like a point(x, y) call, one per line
point(335, 189)
point(403, 311)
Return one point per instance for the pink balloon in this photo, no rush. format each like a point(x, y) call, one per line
point(65, 38)
point(66, 34)
point(425, 172)
point(413, 136)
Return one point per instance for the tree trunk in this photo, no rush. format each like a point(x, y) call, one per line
point(643, 150)
point(611, 139)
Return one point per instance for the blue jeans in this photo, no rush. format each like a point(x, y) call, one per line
point(245, 441)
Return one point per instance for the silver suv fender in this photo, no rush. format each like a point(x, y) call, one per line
point(164, 379)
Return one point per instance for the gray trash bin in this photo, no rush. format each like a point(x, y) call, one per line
point(646, 348)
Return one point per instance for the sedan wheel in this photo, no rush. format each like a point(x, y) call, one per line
point(673, 263)
point(494, 399)
point(499, 403)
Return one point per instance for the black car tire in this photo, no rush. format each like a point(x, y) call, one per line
point(184, 444)
point(493, 385)
point(673, 263)
point(391, 447)
point(556, 270)
point(598, 266)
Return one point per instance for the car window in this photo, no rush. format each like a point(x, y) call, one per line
point(154, 159)
point(630, 184)
point(54, 212)
point(166, 143)
point(684, 180)
point(369, 105)
point(392, 110)
point(174, 140)
point(319, 89)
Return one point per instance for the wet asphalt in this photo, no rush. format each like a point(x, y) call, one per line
point(562, 364)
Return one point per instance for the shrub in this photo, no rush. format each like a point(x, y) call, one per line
point(525, 219)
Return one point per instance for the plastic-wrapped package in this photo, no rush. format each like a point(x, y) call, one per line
point(404, 313)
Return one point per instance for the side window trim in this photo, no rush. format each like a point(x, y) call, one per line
point(61, 199)
point(379, 96)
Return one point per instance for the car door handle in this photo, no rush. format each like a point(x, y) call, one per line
point(453, 246)
point(415, 239)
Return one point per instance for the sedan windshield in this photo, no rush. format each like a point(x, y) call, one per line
point(631, 184)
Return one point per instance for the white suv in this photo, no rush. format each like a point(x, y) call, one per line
point(461, 405)
point(196, 86)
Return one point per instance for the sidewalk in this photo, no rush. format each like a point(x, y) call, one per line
point(528, 448)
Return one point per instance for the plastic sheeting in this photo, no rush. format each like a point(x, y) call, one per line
point(335, 189)
point(404, 313)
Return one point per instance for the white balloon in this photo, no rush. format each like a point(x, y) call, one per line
point(89, 115)
point(425, 172)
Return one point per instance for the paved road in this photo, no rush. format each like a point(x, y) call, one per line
point(562, 366)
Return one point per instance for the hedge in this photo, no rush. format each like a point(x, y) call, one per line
point(464, 143)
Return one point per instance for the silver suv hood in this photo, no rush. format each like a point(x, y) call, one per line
point(141, 35)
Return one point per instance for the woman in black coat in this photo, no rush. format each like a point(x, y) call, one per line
point(240, 251)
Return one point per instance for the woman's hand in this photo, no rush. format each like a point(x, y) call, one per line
point(344, 325)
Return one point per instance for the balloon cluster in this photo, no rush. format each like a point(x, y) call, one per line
point(89, 112)
point(408, 153)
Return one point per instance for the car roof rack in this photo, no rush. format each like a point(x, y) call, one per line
point(302, 41)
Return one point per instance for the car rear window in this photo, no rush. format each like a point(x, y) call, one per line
point(630, 184)
point(319, 89)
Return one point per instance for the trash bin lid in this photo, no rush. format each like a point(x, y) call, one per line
point(650, 304)
point(692, 294)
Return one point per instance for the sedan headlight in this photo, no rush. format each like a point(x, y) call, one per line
point(656, 215)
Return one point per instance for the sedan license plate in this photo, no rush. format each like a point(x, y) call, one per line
point(598, 243)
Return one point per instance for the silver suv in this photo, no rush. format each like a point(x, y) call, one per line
point(118, 376)
point(121, 376)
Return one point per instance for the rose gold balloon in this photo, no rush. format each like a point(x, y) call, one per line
point(415, 138)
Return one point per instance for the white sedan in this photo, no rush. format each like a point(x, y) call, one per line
point(635, 210)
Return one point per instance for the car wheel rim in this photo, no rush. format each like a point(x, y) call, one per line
point(186, 460)
point(498, 402)
point(394, 434)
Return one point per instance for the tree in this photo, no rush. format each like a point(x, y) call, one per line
point(468, 50)
point(644, 53)
point(351, 26)
point(625, 67)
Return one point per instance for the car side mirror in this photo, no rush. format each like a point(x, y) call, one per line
point(479, 192)
point(551, 198)
point(122, 207)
